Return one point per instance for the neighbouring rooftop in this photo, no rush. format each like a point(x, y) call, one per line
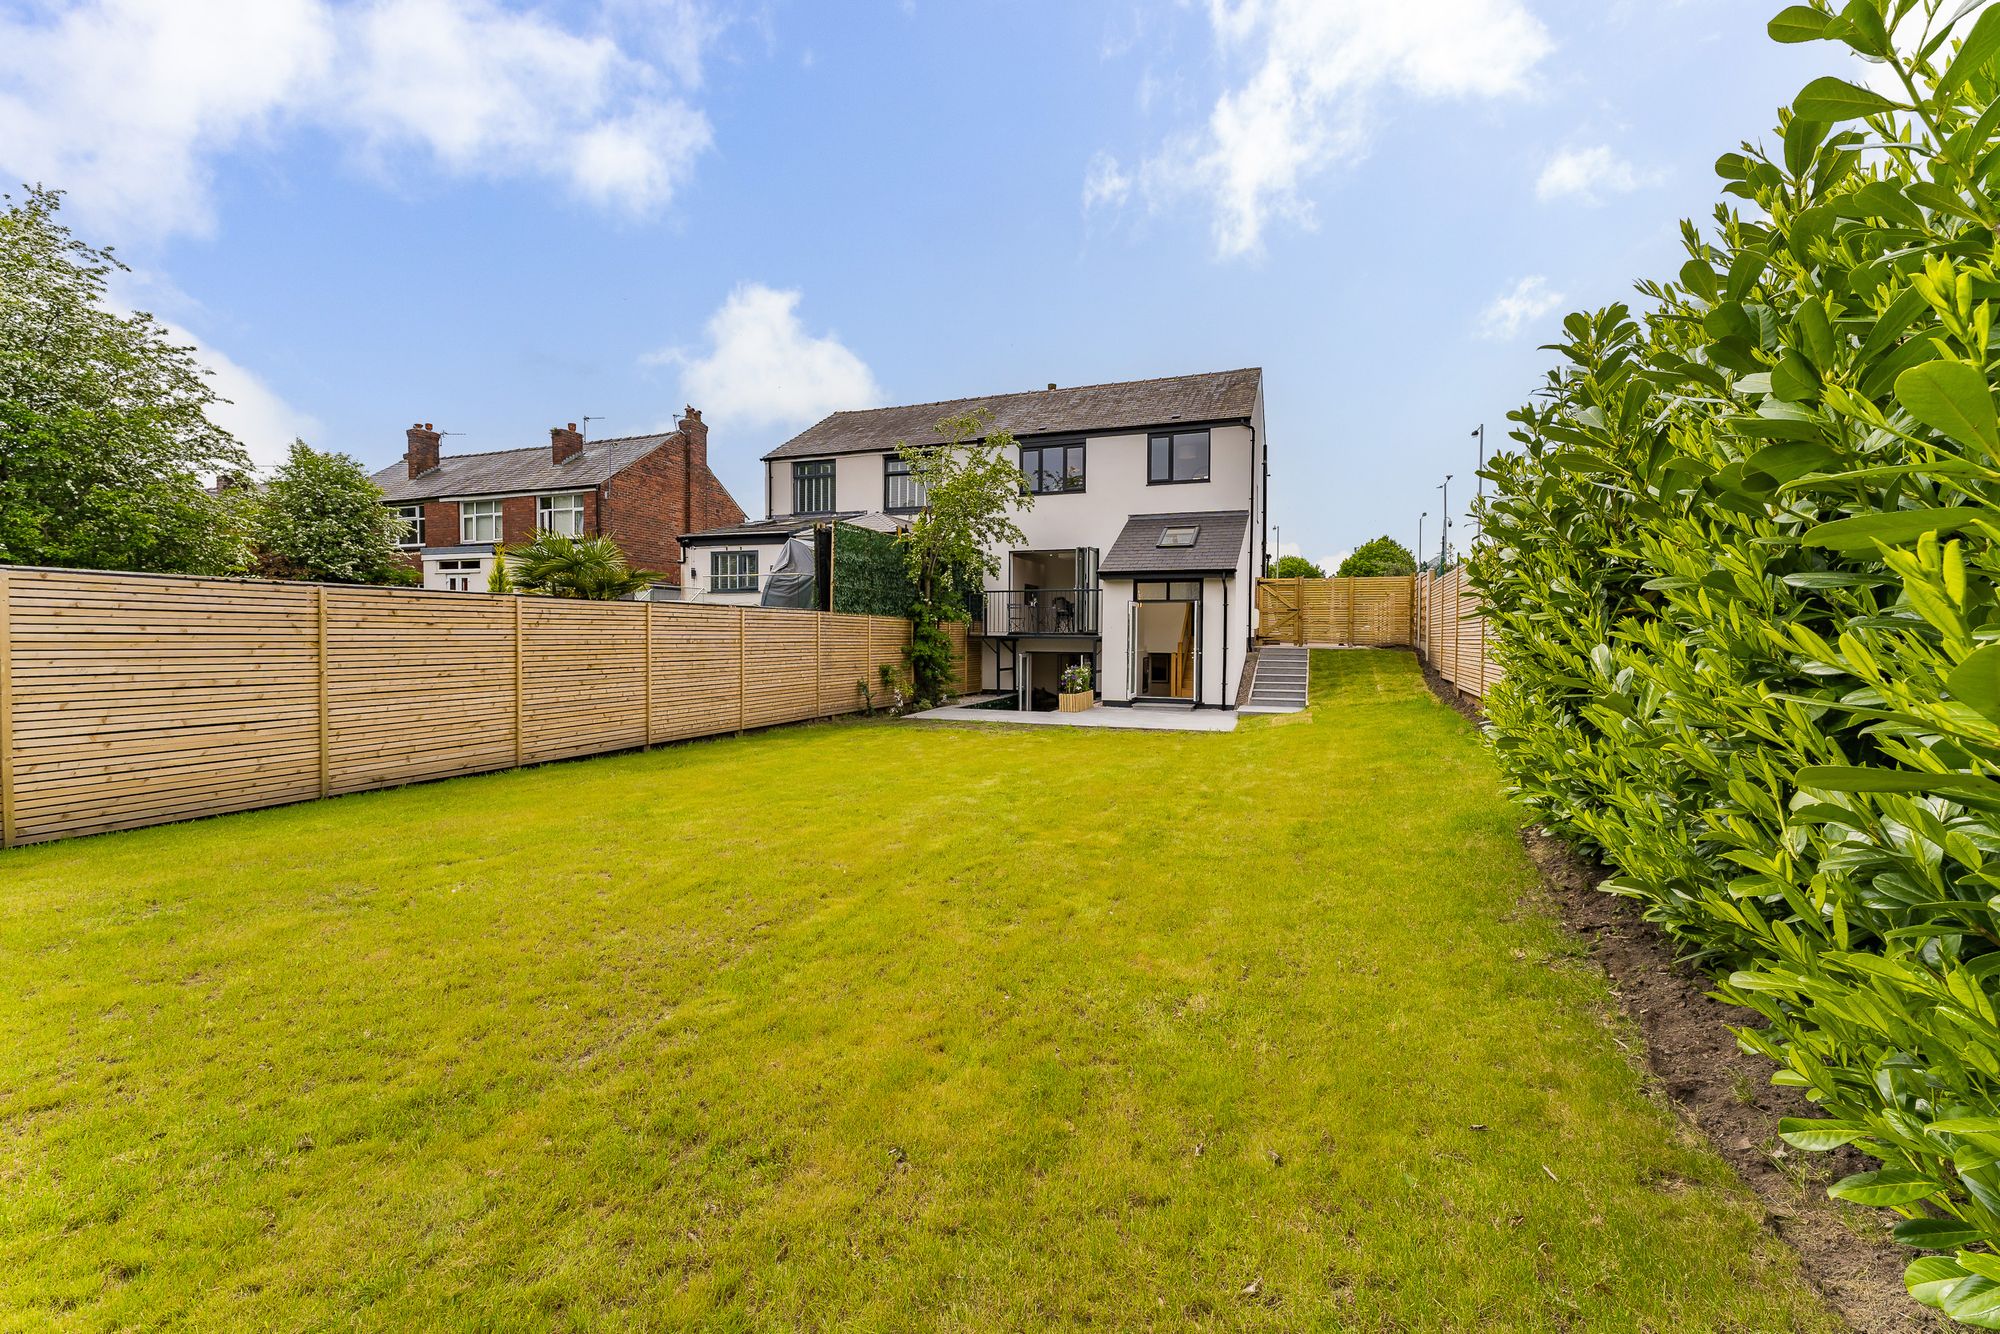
point(511, 471)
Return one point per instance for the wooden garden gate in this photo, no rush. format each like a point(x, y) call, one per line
point(1278, 603)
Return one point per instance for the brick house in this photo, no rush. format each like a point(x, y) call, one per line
point(642, 491)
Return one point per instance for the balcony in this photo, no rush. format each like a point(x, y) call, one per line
point(1019, 613)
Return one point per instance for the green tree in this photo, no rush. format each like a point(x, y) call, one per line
point(499, 579)
point(1296, 567)
point(971, 484)
point(1383, 555)
point(559, 566)
point(322, 517)
point(103, 418)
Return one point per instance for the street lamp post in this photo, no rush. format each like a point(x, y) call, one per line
point(1420, 533)
point(1444, 530)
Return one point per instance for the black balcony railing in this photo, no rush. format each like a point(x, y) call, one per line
point(1042, 611)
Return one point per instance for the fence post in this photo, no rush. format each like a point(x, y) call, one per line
point(742, 682)
point(1353, 596)
point(518, 750)
point(6, 711)
point(325, 770)
point(819, 668)
point(649, 672)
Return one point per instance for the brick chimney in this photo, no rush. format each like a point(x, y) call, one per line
point(565, 442)
point(422, 451)
point(695, 431)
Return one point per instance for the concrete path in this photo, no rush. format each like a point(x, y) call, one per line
point(1136, 719)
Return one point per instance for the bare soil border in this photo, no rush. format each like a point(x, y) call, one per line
point(1724, 1093)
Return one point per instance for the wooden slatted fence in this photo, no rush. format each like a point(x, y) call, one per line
point(1450, 632)
point(1375, 612)
point(130, 700)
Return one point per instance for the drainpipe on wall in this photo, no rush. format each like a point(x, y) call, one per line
point(1263, 534)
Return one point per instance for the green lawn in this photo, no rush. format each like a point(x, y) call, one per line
point(874, 1025)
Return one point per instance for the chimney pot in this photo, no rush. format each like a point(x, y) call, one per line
point(1052, 384)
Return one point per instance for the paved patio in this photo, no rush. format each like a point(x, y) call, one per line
point(1134, 719)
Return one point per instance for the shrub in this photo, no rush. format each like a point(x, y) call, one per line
point(1745, 588)
point(321, 517)
point(559, 566)
point(1076, 678)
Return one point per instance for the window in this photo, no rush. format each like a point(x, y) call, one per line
point(732, 572)
point(412, 519)
point(459, 574)
point(900, 491)
point(1178, 456)
point(1179, 590)
point(560, 514)
point(1050, 470)
point(812, 486)
point(479, 521)
point(1179, 535)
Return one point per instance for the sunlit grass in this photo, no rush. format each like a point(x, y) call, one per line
point(876, 1025)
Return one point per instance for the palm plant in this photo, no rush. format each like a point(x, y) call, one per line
point(559, 566)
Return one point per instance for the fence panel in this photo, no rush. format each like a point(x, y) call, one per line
point(1373, 611)
point(1450, 632)
point(129, 700)
point(418, 685)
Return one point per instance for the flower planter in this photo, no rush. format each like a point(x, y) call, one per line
point(1077, 702)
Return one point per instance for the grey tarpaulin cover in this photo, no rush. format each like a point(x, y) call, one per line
point(791, 582)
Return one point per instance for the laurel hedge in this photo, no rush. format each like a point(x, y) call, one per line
point(1744, 577)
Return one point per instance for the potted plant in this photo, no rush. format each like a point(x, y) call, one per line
point(1076, 694)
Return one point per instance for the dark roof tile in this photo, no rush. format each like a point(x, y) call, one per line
point(510, 471)
point(1218, 544)
point(1129, 405)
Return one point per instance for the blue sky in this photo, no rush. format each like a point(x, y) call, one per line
point(500, 218)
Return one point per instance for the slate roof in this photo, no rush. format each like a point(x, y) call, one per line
point(509, 471)
point(1131, 404)
point(1216, 548)
point(782, 526)
point(756, 530)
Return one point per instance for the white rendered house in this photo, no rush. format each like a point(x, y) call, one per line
point(1141, 548)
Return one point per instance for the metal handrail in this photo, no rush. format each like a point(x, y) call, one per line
point(1042, 611)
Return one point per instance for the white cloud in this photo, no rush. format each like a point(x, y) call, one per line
point(257, 415)
point(762, 368)
point(1509, 312)
point(1313, 69)
point(1589, 174)
point(127, 103)
point(1105, 183)
point(264, 423)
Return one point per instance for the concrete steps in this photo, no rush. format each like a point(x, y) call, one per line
point(1280, 683)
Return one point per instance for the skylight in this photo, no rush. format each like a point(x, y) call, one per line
point(1180, 536)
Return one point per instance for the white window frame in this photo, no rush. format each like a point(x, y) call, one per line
point(560, 513)
point(472, 517)
point(412, 519)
